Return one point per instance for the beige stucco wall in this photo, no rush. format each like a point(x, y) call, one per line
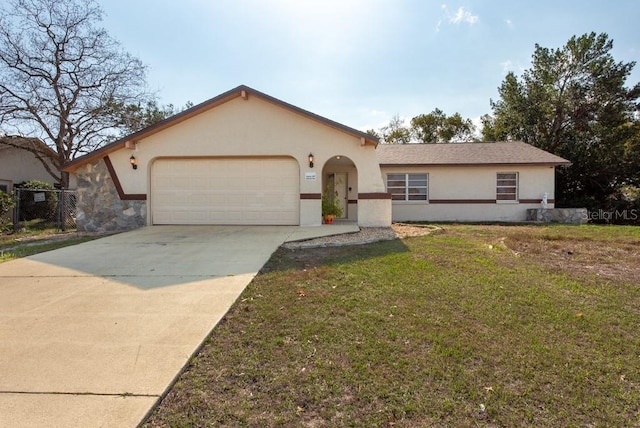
point(462, 212)
point(20, 165)
point(310, 210)
point(374, 212)
point(253, 127)
point(462, 183)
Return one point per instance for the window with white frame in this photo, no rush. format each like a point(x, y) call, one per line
point(507, 186)
point(408, 187)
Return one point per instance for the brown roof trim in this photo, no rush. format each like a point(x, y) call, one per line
point(462, 201)
point(241, 91)
point(116, 182)
point(310, 196)
point(484, 201)
point(380, 195)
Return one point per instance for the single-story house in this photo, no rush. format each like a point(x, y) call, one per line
point(21, 164)
point(245, 157)
point(468, 181)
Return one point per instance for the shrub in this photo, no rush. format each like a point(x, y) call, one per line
point(6, 204)
point(623, 211)
point(29, 208)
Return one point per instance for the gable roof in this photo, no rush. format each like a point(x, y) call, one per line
point(499, 153)
point(26, 143)
point(241, 91)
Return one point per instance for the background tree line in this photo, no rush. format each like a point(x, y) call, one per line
point(572, 102)
point(64, 80)
point(434, 127)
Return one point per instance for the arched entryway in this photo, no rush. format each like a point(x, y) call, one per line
point(340, 182)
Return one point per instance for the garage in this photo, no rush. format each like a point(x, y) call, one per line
point(233, 191)
point(240, 158)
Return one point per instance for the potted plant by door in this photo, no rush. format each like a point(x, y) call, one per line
point(330, 208)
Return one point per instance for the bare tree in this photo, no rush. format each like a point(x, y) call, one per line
point(62, 76)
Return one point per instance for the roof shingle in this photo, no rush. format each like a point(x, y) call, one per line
point(499, 153)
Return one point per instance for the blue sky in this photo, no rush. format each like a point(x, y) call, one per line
point(358, 62)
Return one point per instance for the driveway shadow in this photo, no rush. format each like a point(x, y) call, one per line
point(307, 258)
point(159, 256)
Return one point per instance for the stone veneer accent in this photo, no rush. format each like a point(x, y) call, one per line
point(558, 215)
point(99, 207)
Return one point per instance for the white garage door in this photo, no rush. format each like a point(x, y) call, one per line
point(225, 191)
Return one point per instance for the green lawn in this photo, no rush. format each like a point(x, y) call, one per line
point(473, 326)
point(31, 249)
point(36, 238)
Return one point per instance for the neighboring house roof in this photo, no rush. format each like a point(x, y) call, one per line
point(499, 153)
point(241, 91)
point(27, 158)
point(26, 143)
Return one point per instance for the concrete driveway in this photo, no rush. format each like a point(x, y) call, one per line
point(92, 335)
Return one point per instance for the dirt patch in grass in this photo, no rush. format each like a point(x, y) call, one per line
point(612, 254)
point(575, 250)
point(404, 230)
point(619, 261)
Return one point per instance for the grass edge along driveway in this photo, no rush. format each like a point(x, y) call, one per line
point(475, 326)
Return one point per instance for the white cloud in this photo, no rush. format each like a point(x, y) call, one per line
point(509, 23)
point(463, 15)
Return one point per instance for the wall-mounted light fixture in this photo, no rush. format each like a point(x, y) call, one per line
point(134, 162)
point(310, 160)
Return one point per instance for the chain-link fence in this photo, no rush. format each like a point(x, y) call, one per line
point(47, 208)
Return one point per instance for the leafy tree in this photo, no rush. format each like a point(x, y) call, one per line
point(488, 130)
point(573, 102)
point(437, 127)
point(61, 75)
point(396, 132)
point(136, 116)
